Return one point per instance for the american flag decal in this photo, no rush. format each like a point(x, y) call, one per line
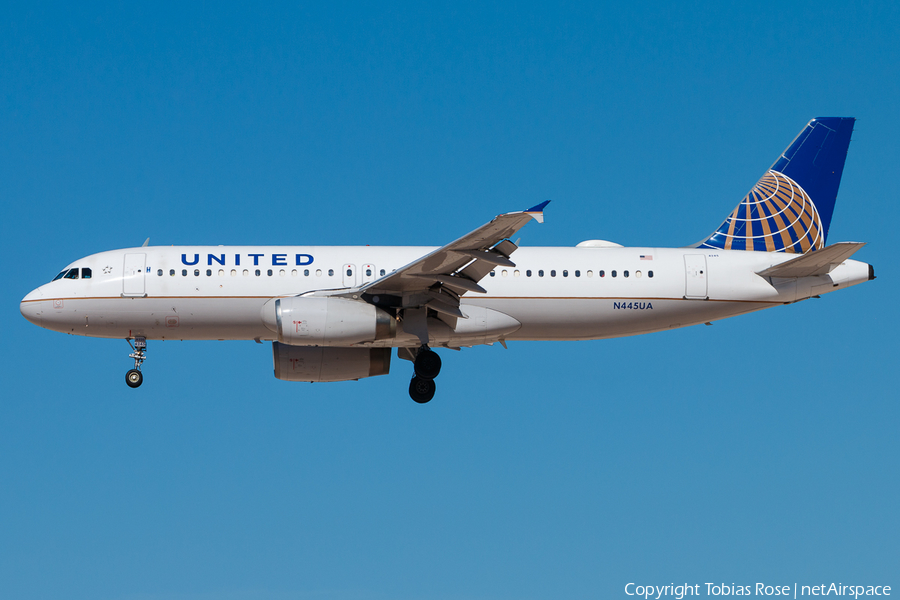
point(646, 257)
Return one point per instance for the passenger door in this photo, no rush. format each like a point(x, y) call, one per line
point(695, 277)
point(133, 276)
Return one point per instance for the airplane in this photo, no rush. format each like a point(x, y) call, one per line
point(336, 313)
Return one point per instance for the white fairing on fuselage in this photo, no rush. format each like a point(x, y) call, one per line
point(551, 294)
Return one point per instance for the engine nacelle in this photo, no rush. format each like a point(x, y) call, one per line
point(317, 363)
point(327, 321)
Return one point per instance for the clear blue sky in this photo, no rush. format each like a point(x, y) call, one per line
point(761, 449)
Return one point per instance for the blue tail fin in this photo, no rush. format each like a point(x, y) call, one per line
point(790, 208)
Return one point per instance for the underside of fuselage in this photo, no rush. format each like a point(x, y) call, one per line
point(239, 319)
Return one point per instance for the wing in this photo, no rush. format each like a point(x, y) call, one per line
point(456, 268)
point(818, 262)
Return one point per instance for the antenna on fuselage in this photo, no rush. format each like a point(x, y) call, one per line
point(146, 243)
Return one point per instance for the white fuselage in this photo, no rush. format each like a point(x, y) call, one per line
point(218, 292)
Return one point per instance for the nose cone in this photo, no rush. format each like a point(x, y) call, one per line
point(32, 306)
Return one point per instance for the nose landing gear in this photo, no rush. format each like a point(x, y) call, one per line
point(427, 367)
point(134, 378)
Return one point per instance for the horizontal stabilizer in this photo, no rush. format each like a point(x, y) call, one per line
point(818, 262)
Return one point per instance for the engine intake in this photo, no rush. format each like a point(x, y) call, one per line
point(327, 321)
point(305, 363)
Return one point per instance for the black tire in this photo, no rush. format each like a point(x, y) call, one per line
point(428, 364)
point(421, 390)
point(134, 378)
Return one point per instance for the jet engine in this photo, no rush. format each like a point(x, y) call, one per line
point(317, 363)
point(327, 321)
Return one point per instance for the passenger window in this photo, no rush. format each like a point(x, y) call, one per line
point(86, 273)
point(540, 272)
point(72, 274)
point(624, 273)
point(382, 272)
point(171, 272)
point(368, 272)
point(331, 272)
point(209, 272)
point(293, 272)
point(528, 273)
point(553, 273)
point(577, 273)
point(221, 272)
point(159, 272)
point(184, 272)
point(649, 273)
point(281, 273)
point(590, 273)
point(637, 273)
point(493, 273)
point(306, 272)
point(60, 276)
point(516, 273)
point(601, 273)
point(269, 272)
point(613, 273)
point(565, 273)
point(349, 272)
point(318, 272)
point(246, 272)
point(233, 272)
point(196, 272)
point(258, 272)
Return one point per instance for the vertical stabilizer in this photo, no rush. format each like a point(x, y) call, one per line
point(790, 208)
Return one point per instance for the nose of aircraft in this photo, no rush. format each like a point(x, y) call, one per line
point(31, 306)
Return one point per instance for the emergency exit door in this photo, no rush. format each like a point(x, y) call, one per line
point(349, 275)
point(368, 273)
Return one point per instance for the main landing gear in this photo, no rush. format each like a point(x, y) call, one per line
point(427, 367)
point(134, 378)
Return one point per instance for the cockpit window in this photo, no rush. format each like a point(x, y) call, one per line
point(85, 273)
point(60, 276)
point(72, 274)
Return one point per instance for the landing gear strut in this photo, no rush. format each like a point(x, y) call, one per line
point(134, 378)
point(427, 367)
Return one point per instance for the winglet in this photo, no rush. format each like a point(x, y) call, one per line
point(538, 211)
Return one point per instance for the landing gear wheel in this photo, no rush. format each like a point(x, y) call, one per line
point(421, 390)
point(134, 378)
point(427, 364)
